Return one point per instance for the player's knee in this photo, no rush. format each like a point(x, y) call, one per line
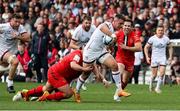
point(114, 67)
point(15, 62)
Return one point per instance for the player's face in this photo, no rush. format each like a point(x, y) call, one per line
point(15, 23)
point(86, 25)
point(21, 49)
point(116, 23)
point(160, 31)
point(127, 27)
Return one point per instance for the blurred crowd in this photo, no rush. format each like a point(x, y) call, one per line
point(51, 23)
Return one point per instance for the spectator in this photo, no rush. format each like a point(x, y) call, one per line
point(25, 60)
point(175, 69)
point(137, 67)
point(39, 49)
point(176, 32)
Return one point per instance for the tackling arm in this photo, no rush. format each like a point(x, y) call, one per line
point(25, 37)
point(78, 67)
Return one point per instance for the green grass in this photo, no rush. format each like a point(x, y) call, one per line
point(99, 98)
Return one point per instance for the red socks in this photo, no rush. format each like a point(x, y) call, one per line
point(56, 96)
point(36, 91)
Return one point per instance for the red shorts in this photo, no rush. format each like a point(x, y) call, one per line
point(129, 65)
point(55, 79)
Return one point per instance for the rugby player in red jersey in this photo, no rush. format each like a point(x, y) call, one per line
point(128, 43)
point(59, 77)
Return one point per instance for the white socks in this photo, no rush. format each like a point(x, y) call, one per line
point(9, 82)
point(79, 84)
point(159, 82)
point(117, 79)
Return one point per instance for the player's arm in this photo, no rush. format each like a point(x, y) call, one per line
point(25, 37)
point(137, 47)
point(74, 64)
point(74, 40)
point(73, 44)
point(170, 49)
point(104, 28)
point(99, 75)
point(78, 67)
point(146, 49)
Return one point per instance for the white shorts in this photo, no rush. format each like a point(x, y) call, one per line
point(158, 62)
point(92, 56)
point(2, 52)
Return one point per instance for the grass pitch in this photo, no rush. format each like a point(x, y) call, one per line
point(99, 98)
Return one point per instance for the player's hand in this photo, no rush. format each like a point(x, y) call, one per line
point(14, 35)
point(106, 83)
point(123, 46)
point(148, 60)
point(86, 69)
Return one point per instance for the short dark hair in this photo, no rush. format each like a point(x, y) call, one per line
point(160, 26)
point(86, 17)
point(16, 15)
point(119, 16)
point(128, 20)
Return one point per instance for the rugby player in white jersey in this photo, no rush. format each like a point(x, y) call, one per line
point(95, 49)
point(10, 33)
point(81, 36)
point(158, 44)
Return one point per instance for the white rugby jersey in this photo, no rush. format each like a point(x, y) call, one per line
point(6, 40)
point(96, 41)
point(82, 36)
point(158, 46)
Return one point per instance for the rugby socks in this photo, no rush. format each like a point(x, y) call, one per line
point(36, 91)
point(79, 84)
point(55, 96)
point(9, 82)
point(117, 79)
point(159, 82)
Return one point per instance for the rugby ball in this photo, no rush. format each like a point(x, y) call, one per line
point(107, 40)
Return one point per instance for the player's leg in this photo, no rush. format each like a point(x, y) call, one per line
point(82, 78)
point(127, 73)
point(63, 92)
point(13, 61)
point(109, 61)
point(162, 69)
point(125, 78)
point(35, 92)
point(154, 71)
